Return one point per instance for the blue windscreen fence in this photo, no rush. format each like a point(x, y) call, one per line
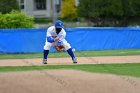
point(32, 40)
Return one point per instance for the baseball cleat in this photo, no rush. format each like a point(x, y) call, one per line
point(44, 61)
point(74, 60)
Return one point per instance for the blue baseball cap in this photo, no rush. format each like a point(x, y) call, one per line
point(59, 24)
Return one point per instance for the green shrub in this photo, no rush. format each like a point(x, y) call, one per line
point(69, 10)
point(16, 19)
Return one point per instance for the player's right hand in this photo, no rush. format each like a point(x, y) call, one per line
point(56, 39)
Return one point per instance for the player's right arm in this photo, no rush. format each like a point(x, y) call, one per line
point(49, 36)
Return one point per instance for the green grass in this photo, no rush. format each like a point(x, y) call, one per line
point(42, 20)
point(129, 69)
point(78, 54)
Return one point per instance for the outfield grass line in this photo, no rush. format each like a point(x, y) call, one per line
point(77, 53)
point(128, 69)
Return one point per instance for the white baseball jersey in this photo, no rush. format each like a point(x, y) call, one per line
point(62, 34)
point(52, 32)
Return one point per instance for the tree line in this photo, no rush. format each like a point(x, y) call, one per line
point(96, 12)
point(7, 6)
point(110, 12)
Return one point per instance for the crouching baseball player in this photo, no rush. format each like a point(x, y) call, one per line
point(56, 37)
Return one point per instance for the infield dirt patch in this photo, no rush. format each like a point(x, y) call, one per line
point(68, 61)
point(66, 81)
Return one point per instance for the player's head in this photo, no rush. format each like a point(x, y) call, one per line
point(58, 25)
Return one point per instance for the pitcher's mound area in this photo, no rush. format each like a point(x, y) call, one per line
point(66, 81)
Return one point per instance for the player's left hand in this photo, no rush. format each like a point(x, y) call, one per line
point(59, 48)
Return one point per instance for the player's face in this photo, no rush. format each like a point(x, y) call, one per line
point(58, 30)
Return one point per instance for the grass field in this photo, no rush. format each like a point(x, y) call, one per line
point(78, 54)
point(131, 69)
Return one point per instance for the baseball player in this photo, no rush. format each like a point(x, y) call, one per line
point(56, 37)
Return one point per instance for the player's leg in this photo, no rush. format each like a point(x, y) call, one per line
point(69, 51)
point(46, 52)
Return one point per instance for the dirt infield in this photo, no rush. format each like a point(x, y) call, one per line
point(64, 61)
point(66, 81)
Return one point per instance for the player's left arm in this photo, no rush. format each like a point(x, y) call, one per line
point(61, 38)
point(62, 35)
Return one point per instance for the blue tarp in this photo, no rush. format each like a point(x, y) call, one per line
point(33, 40)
